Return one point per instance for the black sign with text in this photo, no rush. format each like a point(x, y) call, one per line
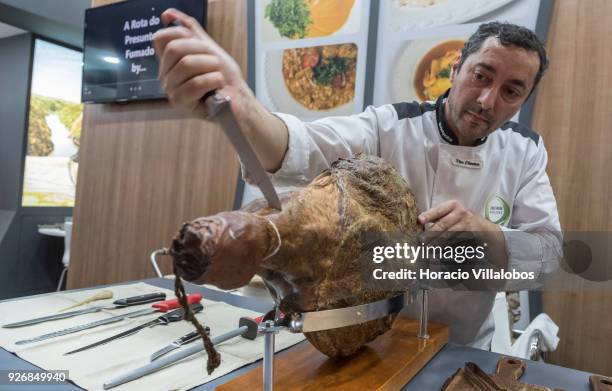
point(119, 58)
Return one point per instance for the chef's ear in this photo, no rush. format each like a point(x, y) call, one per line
point(455, 69)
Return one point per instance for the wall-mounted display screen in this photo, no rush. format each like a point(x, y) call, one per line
point(119, 58)
point(54, 126)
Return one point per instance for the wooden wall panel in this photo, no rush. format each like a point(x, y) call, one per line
point(144, 169)
point(573, 115)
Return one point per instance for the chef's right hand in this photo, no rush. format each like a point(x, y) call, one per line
point(192, 64)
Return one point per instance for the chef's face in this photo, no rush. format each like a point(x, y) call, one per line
point(489, 89)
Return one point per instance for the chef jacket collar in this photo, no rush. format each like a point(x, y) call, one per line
point(446, 133)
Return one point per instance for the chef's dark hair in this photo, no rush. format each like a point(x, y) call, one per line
point(508, 34)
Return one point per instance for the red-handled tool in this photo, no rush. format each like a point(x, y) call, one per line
point(168, 305)
point(164, 306)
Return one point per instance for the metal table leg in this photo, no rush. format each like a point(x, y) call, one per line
point(269, 329)
point(424, 314)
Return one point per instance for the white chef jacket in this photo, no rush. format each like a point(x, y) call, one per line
point(503, 178)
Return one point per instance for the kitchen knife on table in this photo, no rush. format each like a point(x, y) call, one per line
point(164, 306)
point(121, 303)
point(172, 316)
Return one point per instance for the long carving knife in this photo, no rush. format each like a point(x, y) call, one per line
point(218, 107)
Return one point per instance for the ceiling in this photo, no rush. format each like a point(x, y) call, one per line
point(60, 20)
point(6, 30)
point(70, 13)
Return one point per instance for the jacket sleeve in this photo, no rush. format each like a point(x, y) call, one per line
point(534, 238)
point(313, 146)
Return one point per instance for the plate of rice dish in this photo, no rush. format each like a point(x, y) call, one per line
point(315, 79)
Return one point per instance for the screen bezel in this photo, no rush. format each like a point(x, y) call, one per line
point(135, 98)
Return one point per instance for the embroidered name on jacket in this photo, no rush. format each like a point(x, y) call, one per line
point(466, 163)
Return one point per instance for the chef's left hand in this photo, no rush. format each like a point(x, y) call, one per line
point(453, 216)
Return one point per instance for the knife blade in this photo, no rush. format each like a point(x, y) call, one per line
point(173, 316)
point(218, 107)
point(177, 343)
point(121, 303)
point(157, 307)
point(247, 329)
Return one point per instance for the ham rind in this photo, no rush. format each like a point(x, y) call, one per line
point(309, 254)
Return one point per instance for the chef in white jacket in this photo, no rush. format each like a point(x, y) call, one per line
point(469, 167)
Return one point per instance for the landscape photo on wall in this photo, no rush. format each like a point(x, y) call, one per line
point(54, 127)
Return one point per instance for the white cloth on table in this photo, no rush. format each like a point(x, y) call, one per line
point(91, 368)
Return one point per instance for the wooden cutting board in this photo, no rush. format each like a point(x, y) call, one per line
point(506, 378)
point(387, 363)
point(600, 383)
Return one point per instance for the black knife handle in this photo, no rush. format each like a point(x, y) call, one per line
point(141, 299)
point(188, 338)
point(176, 315)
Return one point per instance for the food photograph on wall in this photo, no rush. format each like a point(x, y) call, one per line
point(317, 49)
point(419, 40)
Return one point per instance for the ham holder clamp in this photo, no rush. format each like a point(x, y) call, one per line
point(336, 318)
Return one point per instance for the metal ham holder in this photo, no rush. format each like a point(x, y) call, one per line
point(218, 107)
point(330, 319)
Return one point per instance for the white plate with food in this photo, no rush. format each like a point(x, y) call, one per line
point(301, 19)
point(313, 81)
point(410, 15)
point(422, 70)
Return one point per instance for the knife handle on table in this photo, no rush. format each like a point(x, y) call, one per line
point(141, 299)
point(179, 313)
point(168, 305)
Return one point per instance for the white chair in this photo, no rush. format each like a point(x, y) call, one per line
point(153, 259)
point(66, 257)
point(539, 336)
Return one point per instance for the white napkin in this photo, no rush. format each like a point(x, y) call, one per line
point(545, 325)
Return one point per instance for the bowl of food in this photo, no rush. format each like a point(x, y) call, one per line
point(297, 19)
point(421, 70)
point(433, 71)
